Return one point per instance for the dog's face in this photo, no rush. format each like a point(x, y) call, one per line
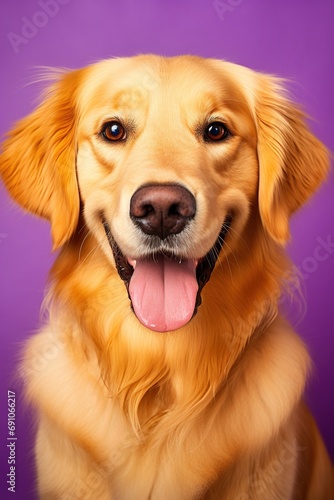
point(173, 158)
point(164, 172)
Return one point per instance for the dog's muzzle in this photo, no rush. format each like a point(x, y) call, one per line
point(164, 287)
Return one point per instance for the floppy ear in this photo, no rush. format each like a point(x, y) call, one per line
point(37, 163)
point(292, 162)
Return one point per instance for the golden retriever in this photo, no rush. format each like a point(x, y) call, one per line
point(165, 371)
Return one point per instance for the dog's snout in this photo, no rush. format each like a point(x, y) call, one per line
point(162, 210)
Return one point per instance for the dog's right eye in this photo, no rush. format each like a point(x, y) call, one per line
point(113, 131)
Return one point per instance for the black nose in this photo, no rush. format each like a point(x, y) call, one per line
point(162, 209)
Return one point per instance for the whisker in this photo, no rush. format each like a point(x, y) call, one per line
point(227, 261)
point(238, 234)
point(82, 244)
point(90, 254)
point(101, 243)
point(232, 253)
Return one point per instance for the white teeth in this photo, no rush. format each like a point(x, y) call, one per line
point(132, 263)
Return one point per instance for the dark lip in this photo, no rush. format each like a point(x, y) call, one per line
point(207, 263)
point(204, 267)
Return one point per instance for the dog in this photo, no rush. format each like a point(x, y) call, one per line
point(164, 369)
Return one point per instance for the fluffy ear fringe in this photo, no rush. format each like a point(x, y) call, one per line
point(37, 163)
point(292, 162)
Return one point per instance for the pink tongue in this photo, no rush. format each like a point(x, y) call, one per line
point(163, 293)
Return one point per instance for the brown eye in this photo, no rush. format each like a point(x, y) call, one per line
point(113, 131)
point(216, 131)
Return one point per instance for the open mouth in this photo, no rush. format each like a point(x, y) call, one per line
point(165, 290)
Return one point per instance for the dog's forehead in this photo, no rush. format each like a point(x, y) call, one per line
point(191, 82)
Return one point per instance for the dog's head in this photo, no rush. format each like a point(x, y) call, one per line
point(170, 160)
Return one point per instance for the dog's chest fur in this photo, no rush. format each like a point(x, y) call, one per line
point(144, 465)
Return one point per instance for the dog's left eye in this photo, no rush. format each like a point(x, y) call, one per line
point(113, 131)
point(215, 131)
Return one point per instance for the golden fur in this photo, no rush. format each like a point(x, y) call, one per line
point(213, 410)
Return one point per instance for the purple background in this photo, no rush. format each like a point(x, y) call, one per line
point(289, 38)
